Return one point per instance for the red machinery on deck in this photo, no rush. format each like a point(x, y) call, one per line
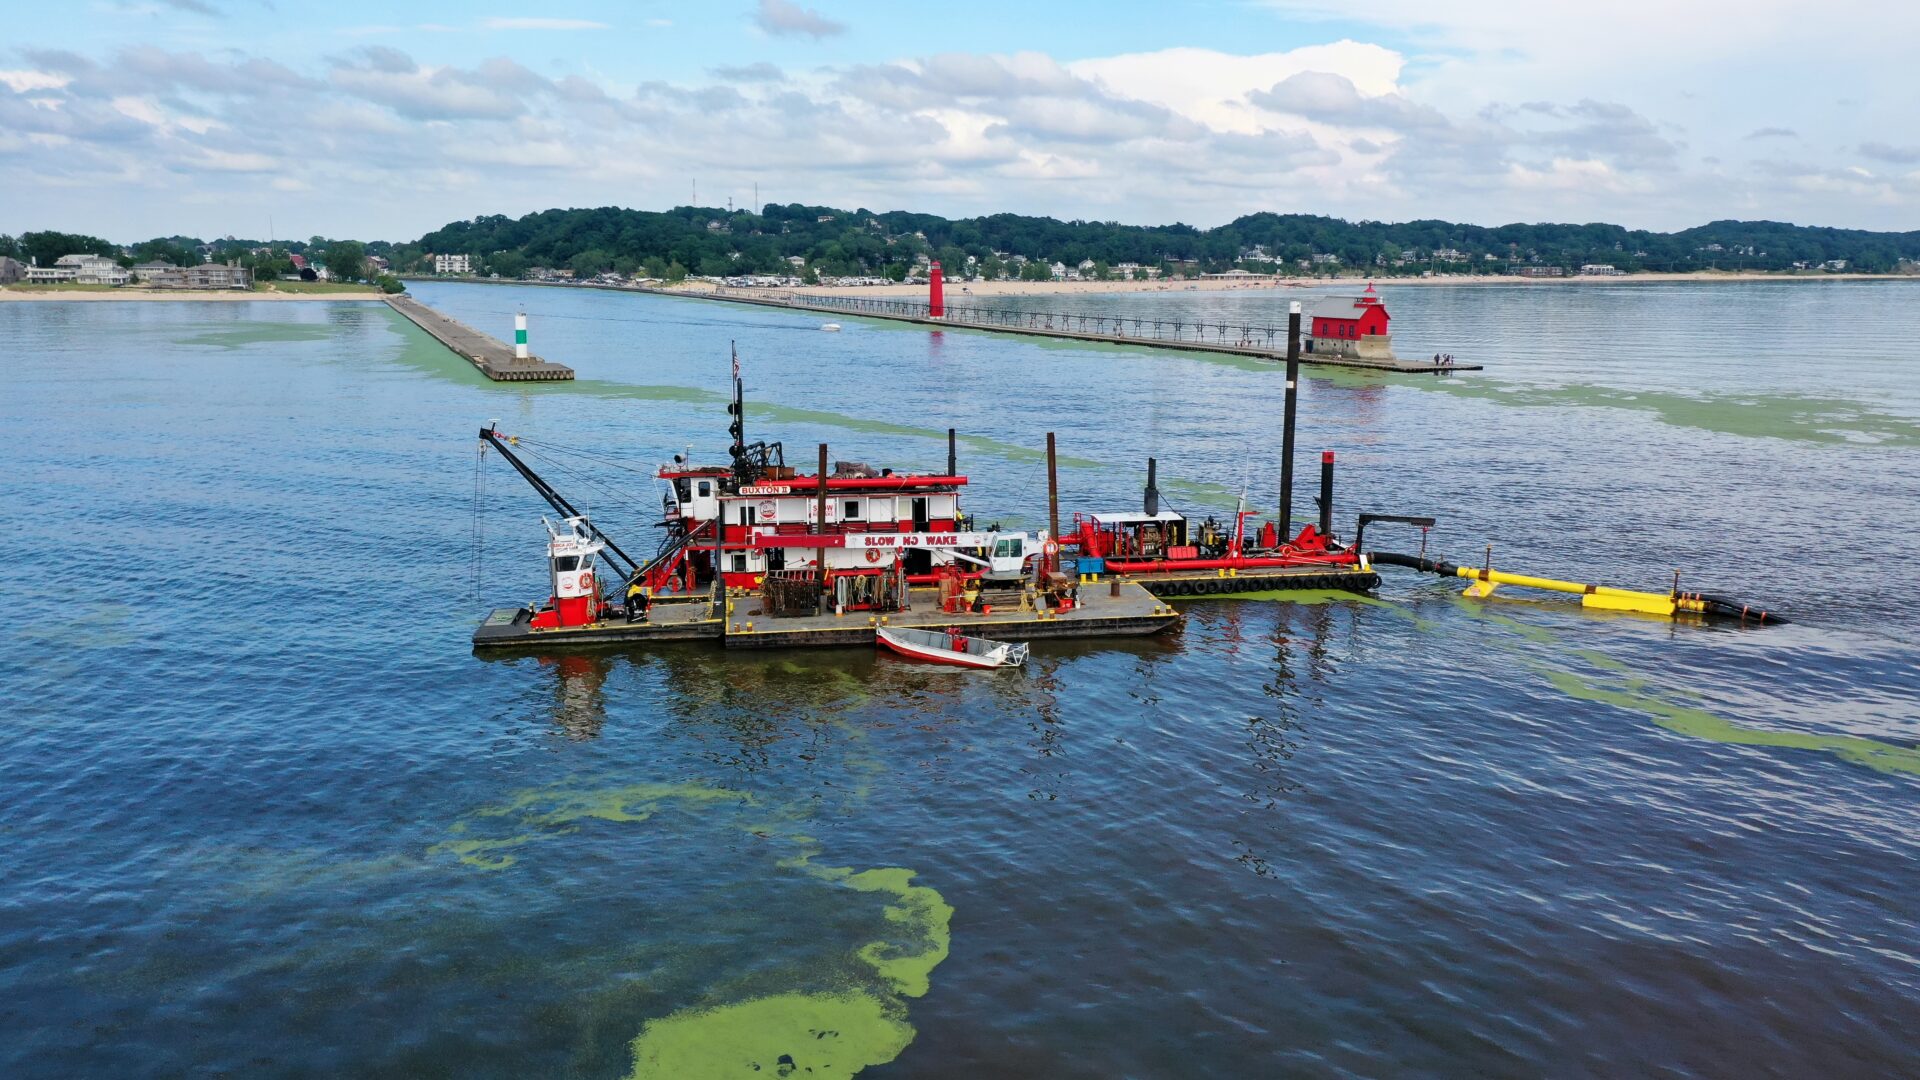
point(1165, 541)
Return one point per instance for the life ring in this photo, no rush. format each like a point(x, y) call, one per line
point(873, 554)
point(586, 581)
point(1052, 547)
point(767, 509)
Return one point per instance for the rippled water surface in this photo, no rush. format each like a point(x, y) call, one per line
point(265, 814)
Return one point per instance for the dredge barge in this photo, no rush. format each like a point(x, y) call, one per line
point(757, 555)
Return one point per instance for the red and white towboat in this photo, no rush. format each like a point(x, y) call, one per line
point(876, 530)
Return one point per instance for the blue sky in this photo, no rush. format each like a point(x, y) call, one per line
point(131, 118)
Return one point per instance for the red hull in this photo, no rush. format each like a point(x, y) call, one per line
point(1167, 566)
point(935, 656)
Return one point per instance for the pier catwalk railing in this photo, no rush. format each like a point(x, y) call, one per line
point(1238, 338)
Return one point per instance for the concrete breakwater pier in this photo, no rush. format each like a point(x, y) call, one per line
point(495, 359)
point(1185, 335)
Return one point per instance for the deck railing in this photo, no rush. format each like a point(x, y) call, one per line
point(1113, 327)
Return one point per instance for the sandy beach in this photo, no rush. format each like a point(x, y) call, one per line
point(8, 295)
point(958, 289)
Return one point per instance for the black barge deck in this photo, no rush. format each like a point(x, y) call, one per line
point(741, 624)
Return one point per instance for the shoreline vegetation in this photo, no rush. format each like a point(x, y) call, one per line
point(961, 291)
point(958, 291)
point(819, 244)
point(881, 253)
point(272, 291)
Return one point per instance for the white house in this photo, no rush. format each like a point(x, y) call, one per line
point(453, 264)
point(93, 270)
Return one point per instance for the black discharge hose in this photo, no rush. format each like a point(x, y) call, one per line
point(1734, 609)
point(1715, 605)
point(1430, 566)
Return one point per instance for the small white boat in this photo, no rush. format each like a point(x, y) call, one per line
point(831, 328)
point(951, 647)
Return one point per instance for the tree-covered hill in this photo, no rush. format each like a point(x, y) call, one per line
point(828, 241)
point(833, 241)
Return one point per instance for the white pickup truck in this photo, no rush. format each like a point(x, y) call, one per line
point(1008, 555)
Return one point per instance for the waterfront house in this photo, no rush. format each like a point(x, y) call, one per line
point(93, 270)
point(11, 270)
point(1353, 326)
point(147, 271)
point(203, 276)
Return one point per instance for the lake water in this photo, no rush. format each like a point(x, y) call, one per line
point(265, 814)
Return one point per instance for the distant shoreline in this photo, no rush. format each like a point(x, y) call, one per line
point(9, 295)
point(958, 291)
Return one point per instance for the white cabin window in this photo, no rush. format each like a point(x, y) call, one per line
point(851, 510)
point(706, 488)
point(740, 563)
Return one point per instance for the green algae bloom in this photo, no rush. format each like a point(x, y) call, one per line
point(924, 918)
point(1700, 724)
point(1294, 596)
point(818, 1036)
point(814, 1035)
point(556, 811)
point(1833, 421)
point(803, 1032)
point(1689, 720)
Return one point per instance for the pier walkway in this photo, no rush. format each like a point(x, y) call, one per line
point(1239, 339)
point(493, 357)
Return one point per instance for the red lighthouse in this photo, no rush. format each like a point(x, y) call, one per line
point(1351, 326)
point(936, 300)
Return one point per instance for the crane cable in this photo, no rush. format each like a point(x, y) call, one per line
point(479, 525)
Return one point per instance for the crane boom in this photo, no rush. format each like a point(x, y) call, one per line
point(546, 491)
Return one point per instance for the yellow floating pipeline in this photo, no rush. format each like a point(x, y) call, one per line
point(1600, 597)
